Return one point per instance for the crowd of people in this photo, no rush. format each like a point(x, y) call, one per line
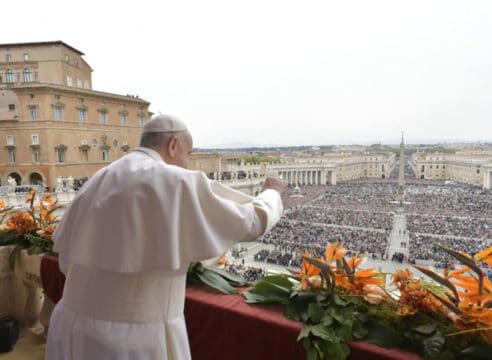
point(292, 238)
point(424, 247)
point(471, 227)
point(248, 273)
point(340, 216)
point(360, 215)
point(291, 198)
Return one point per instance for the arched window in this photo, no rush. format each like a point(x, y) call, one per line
point(35, 179)
point(9, 75)
point(17, 177)
point(27, 75)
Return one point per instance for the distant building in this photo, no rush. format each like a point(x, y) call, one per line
point(474, 168)
point(52, 123)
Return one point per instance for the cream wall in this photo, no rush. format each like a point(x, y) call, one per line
point(466, 168)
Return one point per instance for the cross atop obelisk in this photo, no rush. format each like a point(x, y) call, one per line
point(401, 175)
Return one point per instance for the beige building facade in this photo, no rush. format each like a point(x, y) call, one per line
point(473, 168)
point(52, 123)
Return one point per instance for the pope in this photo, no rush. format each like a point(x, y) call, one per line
point(127, 239)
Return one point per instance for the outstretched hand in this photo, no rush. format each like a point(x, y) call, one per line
point(273, 182)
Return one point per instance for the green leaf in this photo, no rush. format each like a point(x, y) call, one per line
point(304, 333)
point(270, 289)
point(336, 351)
point(312, 350)
point(339, 301)
point(216, 281)
point(359, 331)
point(327, 320)
point(382, 335)
point(13, 256)
point(231, 278)
point(425, 329)
point(434, 344)
point(315, 312)
point(323, 333)
point(252, 298)
point(439, 279)
point(480, 351)
point(463, 259)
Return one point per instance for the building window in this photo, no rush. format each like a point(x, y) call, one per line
point(11, 107)
point(26, 57)
point(141, 120)
point(123, 119)
point(57, 97)
point(36, 156)
point(103, 118)
point(115, 143)
point(67, 59)
point(9, 76)
point(58, 113)
point(69, 80)
point(35, 139)
point(33, 110)
point(82, 115)
point(105, 155)
point(94, 143)
point(11, 156)
point(80, 83)
point(60, 155)
point(76, 62)
point(10, 139)
point(27, 75)
point(8, 58)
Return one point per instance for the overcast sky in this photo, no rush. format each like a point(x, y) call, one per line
point(286, 72)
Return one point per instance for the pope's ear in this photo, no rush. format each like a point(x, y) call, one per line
point(172, 146)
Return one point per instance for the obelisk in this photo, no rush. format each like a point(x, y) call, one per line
point(401, 175)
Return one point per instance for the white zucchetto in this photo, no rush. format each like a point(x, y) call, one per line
point(164, 123)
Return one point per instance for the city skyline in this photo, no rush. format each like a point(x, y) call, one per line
point(282, 73)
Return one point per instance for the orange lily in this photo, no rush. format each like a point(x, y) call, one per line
point(334, 252)
point(485, 256)
point(308, 270)
point(31, 195)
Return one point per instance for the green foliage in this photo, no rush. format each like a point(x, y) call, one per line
point(213, 277)
point(334, 318)
point(256, 159)
point(29, 229)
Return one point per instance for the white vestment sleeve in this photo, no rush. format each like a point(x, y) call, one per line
point(140, 214)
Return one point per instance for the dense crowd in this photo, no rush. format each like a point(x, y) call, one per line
point(360, 215)
point(424, 247)
point(471, 227)
point(248, 273)
point(290, 198)
point(292, 238)
point(339, 216)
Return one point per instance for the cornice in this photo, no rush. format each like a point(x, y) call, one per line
point(76, 91)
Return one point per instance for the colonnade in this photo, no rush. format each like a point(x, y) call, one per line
point(308, 176)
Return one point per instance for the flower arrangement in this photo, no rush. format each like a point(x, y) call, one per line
point(448, 318)
point(29, 229)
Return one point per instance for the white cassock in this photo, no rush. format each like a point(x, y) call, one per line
point(125, 245)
